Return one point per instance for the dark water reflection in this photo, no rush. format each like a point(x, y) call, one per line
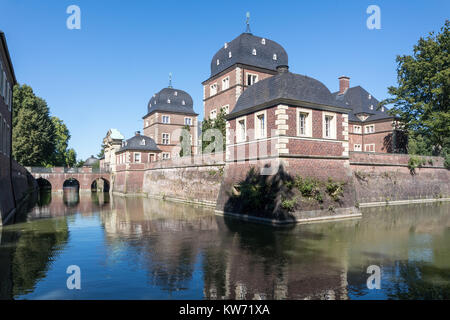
point(136, 248)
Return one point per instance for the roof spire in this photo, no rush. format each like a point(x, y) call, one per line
point(170, 79)
point(248, 23)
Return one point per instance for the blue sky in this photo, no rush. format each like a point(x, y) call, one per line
point(103, 75)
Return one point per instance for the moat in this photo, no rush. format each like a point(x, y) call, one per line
point(139, 248)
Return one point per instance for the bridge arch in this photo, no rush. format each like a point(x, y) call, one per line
point(43, 184)
point(100, 184)
point(71, 183)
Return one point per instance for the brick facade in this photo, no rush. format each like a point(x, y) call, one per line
point(376, 141)
point(237, 75)
point(282, 136)
point(7, 82)
point(155, 128)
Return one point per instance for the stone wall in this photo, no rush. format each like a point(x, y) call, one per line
point(194, 179)
point(386, 177)
point(14, 191)
point(368, 178)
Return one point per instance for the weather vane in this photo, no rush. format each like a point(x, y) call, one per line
point(248, 23)
point(170, 79)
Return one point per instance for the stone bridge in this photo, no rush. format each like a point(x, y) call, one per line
point(85, 178)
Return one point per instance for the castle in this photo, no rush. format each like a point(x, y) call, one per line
point(265, 103)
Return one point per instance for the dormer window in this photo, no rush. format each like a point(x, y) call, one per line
point(370, 96)
point(226, 45)
point(168, 100)
point(274, 56)
point(254, 52)
point(382, 109)
point(183, 102)
point(229, 54)
point(176, 93)
point(263, 41)
point(142, 142)
point(218, 62)
point(371, 107)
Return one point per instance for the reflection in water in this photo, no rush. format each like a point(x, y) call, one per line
point(150, 249)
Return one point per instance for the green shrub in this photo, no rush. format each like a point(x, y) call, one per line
point(288, 205)
point(415, 162)
point(447, 161)
point(335, 189)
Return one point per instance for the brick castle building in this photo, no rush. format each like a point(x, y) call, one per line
point(169, 111)
point(248, 60)
point(7, 82)
point(138, 149)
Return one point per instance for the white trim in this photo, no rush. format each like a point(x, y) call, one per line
point(190, 124)
point(211, 89)
point(168, 119)
point(369, 145)
point(238, 129)
point(162, 138)
point(228, 83)
point(134, 157)
point(251, 74)
point(308, 122)
point(332, 129)
point(258, 133)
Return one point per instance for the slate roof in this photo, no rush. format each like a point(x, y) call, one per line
point(241, 49)
point(171, 100)
point(90, 161)
point(361, 101)
point(285, 85)
point(135, 143)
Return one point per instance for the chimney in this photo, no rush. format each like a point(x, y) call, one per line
point(344, 84)
point(137, 133)
point(282, 69)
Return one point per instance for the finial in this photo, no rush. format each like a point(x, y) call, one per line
point(170, 79)
point(248, 23)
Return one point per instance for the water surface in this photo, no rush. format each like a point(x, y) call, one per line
point(138, 248)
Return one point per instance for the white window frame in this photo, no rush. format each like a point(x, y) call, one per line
point(308, 122)
point(370, 128)
point(357, 129)
point(165, 155)
point(186, 122)
point(165, 117)
point(226, 81)
point(139, 157)
point(239, 137)
point(254, 78)
point(332, 129)
point(368, 145)
point(213, 114)
point(168, 138)
point(357, 147)
point(213, 89)
point(226, 108)
point(260, 133)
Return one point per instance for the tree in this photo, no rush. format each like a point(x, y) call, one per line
point(185, 141)
point(38, 139)
point(33, 131)
point(218, 123)
point(422, 98)
point(102, 152)
point(62, 136)
point(71, 158)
